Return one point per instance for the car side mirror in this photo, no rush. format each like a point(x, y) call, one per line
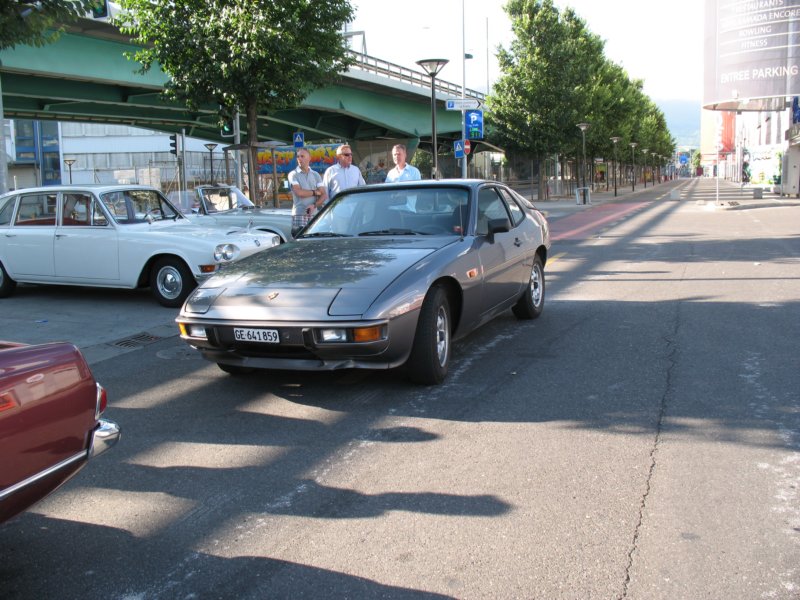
point(498, 226)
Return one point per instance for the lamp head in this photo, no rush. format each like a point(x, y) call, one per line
point(432, 66)
point(616, 139)
point(210, 147)
point(583, 126)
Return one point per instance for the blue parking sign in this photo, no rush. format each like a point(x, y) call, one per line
point(473, 122)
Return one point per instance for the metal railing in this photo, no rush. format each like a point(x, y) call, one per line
point(378, 66)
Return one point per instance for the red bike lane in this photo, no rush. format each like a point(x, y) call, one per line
point(581, 225)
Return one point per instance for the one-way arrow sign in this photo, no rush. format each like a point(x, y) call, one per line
point(463, 104)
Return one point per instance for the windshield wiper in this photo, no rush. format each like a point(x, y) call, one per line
point(324, 234)
point(390, 232)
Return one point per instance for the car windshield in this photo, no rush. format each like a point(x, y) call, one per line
point(393, 211)
point(219, 199)
point(138, 206)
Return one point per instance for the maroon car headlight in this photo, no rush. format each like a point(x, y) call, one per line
point(101, 403)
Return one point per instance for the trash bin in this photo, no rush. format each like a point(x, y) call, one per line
point(758, 193)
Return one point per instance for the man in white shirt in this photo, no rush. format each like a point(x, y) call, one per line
point(402, 171)
point(343, 175)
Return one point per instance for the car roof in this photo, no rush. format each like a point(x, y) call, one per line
point(95, 187)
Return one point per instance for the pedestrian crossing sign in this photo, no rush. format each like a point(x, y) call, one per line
point(299, 139)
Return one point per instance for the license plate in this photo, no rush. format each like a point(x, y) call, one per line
point(267, 336)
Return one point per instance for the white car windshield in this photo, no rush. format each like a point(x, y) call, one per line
point(224, 198)
point(411, 211)
point(138, 206)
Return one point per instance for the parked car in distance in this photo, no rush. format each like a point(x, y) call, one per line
point(50, 421)
point(121, 236)
point(227, 205)
point(383, 276)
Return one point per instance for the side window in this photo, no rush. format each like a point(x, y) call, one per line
point(97, 216)
point(517, 214)
point(36, 209)
point(490, 206)
point(75, 210)
point(6, 210)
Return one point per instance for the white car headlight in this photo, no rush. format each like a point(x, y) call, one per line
point(226, 252)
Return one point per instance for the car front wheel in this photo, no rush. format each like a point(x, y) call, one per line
point(531, 304)
point(430, 355)
point(7, 284)
point(171, 281)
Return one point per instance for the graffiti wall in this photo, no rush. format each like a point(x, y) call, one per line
point(283, 157)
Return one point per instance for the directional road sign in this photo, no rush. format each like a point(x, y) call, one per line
point(462, 103)
point(299, 139)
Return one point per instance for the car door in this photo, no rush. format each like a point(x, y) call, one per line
point(502, 255)
point(29, 241)
point(86, 244)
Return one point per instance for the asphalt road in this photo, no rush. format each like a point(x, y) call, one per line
point(640, 440)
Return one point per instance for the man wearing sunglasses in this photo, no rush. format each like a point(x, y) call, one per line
point(342, 175)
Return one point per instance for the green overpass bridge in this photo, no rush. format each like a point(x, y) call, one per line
point(85, 77)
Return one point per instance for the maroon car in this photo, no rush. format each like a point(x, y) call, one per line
point(50, 425)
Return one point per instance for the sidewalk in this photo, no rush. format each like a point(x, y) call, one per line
point(703, 190)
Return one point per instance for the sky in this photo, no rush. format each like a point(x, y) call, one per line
point(656, 41)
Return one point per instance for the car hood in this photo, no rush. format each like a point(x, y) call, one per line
point(310, 279)
point(187, 228)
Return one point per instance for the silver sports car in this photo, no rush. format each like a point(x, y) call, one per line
point(384, 276)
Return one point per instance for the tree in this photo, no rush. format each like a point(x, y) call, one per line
point(548, 74)
point(34, 23)
point(38, 23)
point(256, 56)
point(555, 75)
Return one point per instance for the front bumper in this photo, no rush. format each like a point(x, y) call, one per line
point(105, 435)
point(299, 349)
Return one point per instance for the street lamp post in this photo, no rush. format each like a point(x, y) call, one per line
point(644, 166)
point(654, 154)
point(211, 147)
point(633, 165)
point(432, 67)
point(69, 162)
point(583, 127)
point(615, 140)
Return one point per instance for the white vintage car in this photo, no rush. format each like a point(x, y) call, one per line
point(221, 204)
point(121, 236)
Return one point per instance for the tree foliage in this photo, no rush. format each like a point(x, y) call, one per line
point(556, 75)
point(38, 23)
point(254, 56)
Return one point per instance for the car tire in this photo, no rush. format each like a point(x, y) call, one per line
point(235, 369)
point(7, 284)
point(430, 354)
point(171, 281)
point(531, 304)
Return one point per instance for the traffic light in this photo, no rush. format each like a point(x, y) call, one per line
point(100, 9)
point(227, 128)
point(173, 144)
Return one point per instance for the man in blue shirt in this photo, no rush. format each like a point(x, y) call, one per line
point(402, 171)
point(343, 175)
